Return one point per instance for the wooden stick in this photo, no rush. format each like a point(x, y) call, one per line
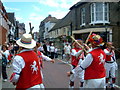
point(88, 37)
point(78, 44)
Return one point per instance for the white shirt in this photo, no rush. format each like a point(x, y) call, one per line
point(84, 64)
point(52, 49)
point(0, 54)
point(74, 53)
point(67, 49)
point(56, 50)
point(40, 48)
point(110, 53)
point(6, 53)
point(48, 48)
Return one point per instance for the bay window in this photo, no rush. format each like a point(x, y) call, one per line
point(82, 16)
point(99, 13)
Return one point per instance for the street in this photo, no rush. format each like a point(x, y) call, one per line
point(68, 29)
point(55, 75)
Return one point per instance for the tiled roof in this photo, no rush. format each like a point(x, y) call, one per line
point(63, 22)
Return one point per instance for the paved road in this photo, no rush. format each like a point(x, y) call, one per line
point(54, 76)
point(8, 84)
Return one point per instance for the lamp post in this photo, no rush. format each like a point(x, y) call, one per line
point(71, 29)
point(106, 34)
point(70, 33)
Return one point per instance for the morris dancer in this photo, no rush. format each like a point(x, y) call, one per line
point(42, 57)
point(93, 65)
point(111, 65)
point(77, 55)
point(26, 66)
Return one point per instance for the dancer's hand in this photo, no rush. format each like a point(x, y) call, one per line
point(69, 73)
point(52, 61)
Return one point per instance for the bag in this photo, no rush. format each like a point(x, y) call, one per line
point(4, 61)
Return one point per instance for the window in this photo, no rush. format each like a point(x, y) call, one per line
point(57, 31)
point(64, 31)
point(47, 29)
point(99, 13)
point(82, 16)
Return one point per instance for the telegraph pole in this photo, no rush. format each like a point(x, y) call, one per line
point(31, 29)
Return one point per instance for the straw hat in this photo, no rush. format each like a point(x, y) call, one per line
point(26, 41)
point(96, 40)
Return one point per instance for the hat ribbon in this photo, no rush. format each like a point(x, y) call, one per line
point(25, 42)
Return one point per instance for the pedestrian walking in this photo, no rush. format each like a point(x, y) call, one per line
point(110, 64)
point(93, 64)
point(48, 49)
point(56, 52)
point(26, 65)
point(5, 54)
point(77, 55)
point(45, 48)
point(67, 49)
point(52, 51)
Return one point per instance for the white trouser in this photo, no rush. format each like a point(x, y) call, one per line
point(110, 69)
point(79, 75)
point(40, 86)
point(95, 83)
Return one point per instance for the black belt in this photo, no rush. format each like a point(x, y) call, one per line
point(109, 62)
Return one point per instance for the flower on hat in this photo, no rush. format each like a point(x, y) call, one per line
point(96, 40)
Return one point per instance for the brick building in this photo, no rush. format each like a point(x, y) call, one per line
point(3, 24)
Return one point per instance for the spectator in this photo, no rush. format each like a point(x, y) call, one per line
point(45, 49)
point(52, 51)
point(56, 52)
point(67, 49)
point(5, 54)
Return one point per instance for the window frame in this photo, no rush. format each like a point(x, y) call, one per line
point(94, 16)
point(82, 10)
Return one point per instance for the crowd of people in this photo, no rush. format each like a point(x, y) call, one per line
point(95, 68)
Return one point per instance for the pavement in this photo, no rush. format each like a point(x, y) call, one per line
point(7, 84)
